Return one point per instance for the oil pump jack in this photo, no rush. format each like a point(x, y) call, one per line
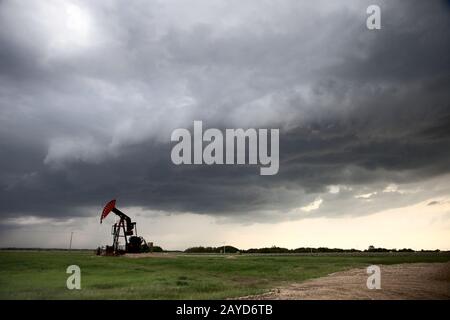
point(125, 229)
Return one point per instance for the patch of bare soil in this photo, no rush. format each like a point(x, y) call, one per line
point(398, 282)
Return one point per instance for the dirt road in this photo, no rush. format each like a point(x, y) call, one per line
point(402, 281)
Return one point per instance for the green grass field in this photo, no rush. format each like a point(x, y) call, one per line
point(42, 275)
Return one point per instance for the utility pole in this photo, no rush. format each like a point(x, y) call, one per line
point(224, 248)
point(70, 245)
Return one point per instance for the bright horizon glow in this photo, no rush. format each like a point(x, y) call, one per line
point(419, 226)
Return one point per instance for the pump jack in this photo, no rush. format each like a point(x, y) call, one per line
point(125, 229)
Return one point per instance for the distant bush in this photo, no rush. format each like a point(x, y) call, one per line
point(157, 249)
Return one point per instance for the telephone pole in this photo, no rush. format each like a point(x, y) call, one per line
point(70, 245)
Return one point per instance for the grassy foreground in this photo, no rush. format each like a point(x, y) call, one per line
point(42, 275)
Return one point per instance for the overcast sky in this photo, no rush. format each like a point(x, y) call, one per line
point(91, 91)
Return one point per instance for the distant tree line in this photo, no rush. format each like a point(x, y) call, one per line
point(228, 249)
point(275, 249)
point(388, 250)
point(231, 249)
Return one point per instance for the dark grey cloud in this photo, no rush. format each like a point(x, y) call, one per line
point(86, 109)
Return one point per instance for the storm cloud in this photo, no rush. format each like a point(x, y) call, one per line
point(90, 93)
